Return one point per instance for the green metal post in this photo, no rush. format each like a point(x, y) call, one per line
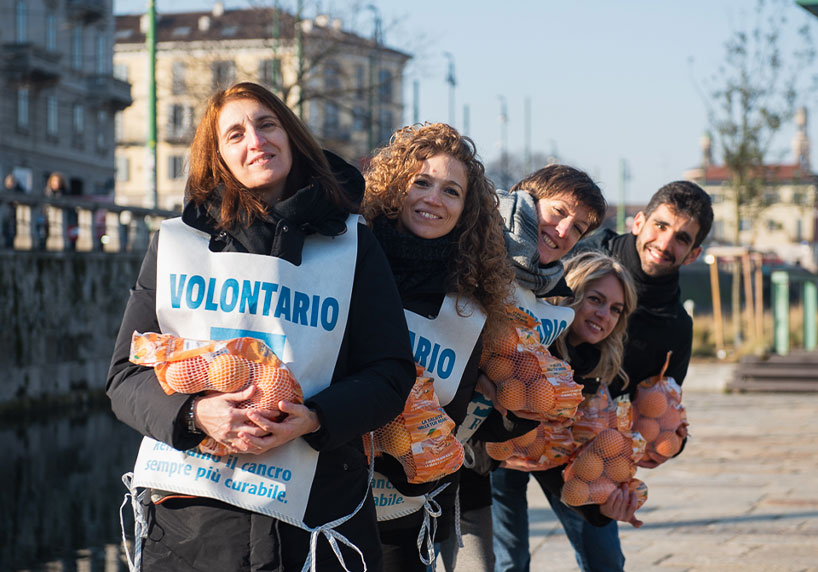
point(781, 311)
point(150, 41)
point(810, 305)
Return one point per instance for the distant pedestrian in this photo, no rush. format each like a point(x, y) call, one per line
point(57, 187)
point(10, 185)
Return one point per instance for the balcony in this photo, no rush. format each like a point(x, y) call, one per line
point(106, 90)
point(31, 65)
point(86, 11)
point(178, 135)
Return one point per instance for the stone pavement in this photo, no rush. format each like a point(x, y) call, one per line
point(743, 496)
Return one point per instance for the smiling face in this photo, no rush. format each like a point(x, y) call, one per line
point(664, 241)
point(255, 147)
point(598, 313)
point(435, 199)
point(562, 222)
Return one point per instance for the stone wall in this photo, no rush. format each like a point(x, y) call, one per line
point(60, 315)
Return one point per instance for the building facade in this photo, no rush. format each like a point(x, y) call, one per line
point(347, 88)
point(783, 219)
point(59, 95)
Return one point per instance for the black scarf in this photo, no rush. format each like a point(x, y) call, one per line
point(419, 265)
point(658, 296)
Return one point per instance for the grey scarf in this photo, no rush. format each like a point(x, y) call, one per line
point(521, 233)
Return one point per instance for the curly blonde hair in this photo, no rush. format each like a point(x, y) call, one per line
point(481, 271)
point(580, 271)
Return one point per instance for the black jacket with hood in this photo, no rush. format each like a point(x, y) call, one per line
point(372, 377)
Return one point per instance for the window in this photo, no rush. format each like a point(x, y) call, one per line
point(78, 117)
point(51, 115)
point(770, 197)
point(123, 169)
point(360, 77)
point(176, 167)
point(360, 118)
point(180, 120)
point(385, 125)
point(22, 108)
point(121, 72)
point(385, 86)
point(102, 125)
point(177, 72)
point(798, 198)
point(332, 124)
point(20, 22)
point(745, 224)
point(332, 77)
point(102, 54)
point(51, 32)
point(224, 74)
point(76, 48)
point(799, 230)
point(118, 127)
point(718, 229)
point(269, 73)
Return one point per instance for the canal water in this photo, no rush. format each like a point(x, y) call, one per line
point(60, 491)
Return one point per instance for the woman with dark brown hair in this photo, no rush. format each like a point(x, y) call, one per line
point(267, 247)
point(434, 212)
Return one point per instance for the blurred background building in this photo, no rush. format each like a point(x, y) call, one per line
point(347, 88)
point(58, 95)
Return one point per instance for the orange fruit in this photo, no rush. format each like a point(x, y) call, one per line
point(541, 396)
point(527, 366)
point(600, 489)
point(588, 466)
point(671, 419)
point(667, 443)
point(273, 385)
point(500, 451)
point(651, 403)
point(649, 428)
point(511, 394)
point(498, 368)
point(610, 443)
point(395, 439)
point(187, 375)
point(575, 492)
point(228, 373)
point(619, 469)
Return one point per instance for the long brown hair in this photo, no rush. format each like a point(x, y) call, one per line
point(580, 271)
point(481, 271)
point(209, 171)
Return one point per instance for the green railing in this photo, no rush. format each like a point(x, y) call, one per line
point(781, 280)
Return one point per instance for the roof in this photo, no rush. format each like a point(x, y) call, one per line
point(248, 24)
point(772, 173)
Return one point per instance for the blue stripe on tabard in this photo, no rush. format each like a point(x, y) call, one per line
point(275, 341)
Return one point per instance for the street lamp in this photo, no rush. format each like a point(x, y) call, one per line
point(452, 81)
point(373, 64)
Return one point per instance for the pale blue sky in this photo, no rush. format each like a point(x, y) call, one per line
point(606, 80)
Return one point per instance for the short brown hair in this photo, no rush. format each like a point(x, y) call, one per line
point(208, 170)
point(555, 180)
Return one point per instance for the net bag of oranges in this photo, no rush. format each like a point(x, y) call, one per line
point(422, 437)
point(184, 365)
point(529, 379)
point(600, 466)
point(547, 446)
point(598, 412)
point(658, 413)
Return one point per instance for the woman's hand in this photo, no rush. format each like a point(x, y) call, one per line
point(621, 506)
point(299, 420)
point(217, 415)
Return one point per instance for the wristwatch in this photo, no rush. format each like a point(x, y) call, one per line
point(191, 419)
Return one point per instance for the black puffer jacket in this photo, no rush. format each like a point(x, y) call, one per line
point(373, 374)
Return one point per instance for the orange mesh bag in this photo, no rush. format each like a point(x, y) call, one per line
point(529, 379)
point(658, 413)
point(601, 465)
point(599, 411)
point(422, 437)
point(189, 366)
point(547, 446)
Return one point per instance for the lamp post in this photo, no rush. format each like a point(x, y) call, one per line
point(504, 141)
point(150, 41)
point(452, 81)
point(373, 64)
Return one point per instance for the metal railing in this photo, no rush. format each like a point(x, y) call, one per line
point(82, 224)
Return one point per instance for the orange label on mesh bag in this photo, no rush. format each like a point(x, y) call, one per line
point(421, 437)
point(542, 448)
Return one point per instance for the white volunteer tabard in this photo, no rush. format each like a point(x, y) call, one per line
point(443, 345)
point(295, 310)
point(551, 322)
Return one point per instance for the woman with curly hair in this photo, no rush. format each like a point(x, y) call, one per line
point(434, 212)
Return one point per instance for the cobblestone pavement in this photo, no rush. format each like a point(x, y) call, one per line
point(743, 496)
